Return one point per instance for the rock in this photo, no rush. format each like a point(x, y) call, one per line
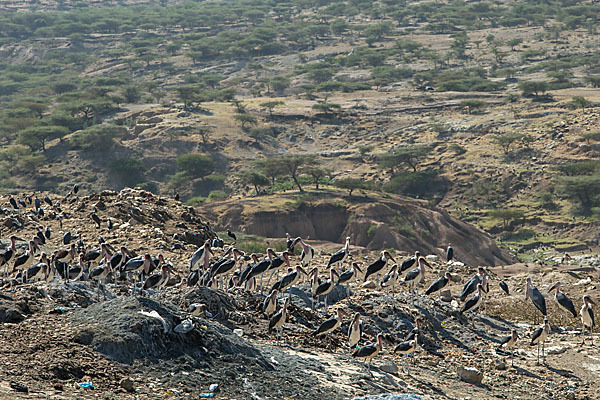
point(470, 375)
point(369, 285)
point(127, 384)
point(455, 278)
point(556, 350)
point(500, 365)
point(390, 367)
point(432, 257)
point(446, 296)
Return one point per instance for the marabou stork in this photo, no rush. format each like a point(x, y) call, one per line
point(407, 347)
point(449, 253)
point(330, 325)
point(509, 342)
point(201, 257)
point(438, 284)
point(369, 351)
point(355, 331)
point(389, 280)
point(348, 274)
point(587, 317)
point(326, 287)
point(538, 300)
point(289, 280)
point(562, 300)
point(270, 303)
point(473, 303)
point(307, 252)
point(339, 256)
point(539, 336)
point(417, 275)
point(377, 265)
point(277, 320)
point(504, 287)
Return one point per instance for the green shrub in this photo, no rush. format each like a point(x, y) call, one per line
point(195, 165)
point(196, 201)
point(217, 195)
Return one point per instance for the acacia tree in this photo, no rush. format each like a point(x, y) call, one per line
point(317, 173)
point(270, 105)
point(255, 179)
point(409, 155)
point(351, 184)
point(292, 163)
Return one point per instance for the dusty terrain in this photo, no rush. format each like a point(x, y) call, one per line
point(56, 335)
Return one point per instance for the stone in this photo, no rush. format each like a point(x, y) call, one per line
point(446, 296)
point(500, 365)
point(432, 257)
point(556, 350)
point(390, 367)
point(369, 285)
point(470, 375)
point(127, 384)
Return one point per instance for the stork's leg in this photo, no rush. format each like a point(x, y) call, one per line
point(473, 318)
point(591, 335)
point(538, 354)
point(393, 303)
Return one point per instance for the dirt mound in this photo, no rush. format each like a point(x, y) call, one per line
point(120, 330)
point(375, 223)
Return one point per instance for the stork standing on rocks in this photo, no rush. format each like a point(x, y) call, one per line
point(348, 274)
point(438, 284)
point(369, 351)
point(449, 253)
point(539, 336)
point(158, 281)
point(504, 287)
point(331, 324)
point(9, 255)
point(339, 256)
point(416, 330)
point(471, 285)
point(100, 274)
point(355, 331)
point(201, 257)
point(24, 261)
point(537, 298)
point(509, 342)
point(587, 317)
point(315, 281)
point(270, 303)
point(562, 300)
point(308, 252)
point(473, 303)
point(277, 320)
point(277, 262)
point(417, 275)
point(409, 262)
point(289, 280)
point(389, 280)
point(326, 287)
point(136, 265)
point(376, 266)
point(407, 347)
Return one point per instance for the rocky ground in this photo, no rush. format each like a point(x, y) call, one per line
point(56, 337)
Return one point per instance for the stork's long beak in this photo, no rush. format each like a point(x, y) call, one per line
point(336, 274)
point(358, 268)
point(302, 270)
point(553, 287)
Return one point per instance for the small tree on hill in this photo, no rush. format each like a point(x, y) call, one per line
point(291, 165)
point(533, 87)
point(195, 165)
point(473, 105)
point(255, 179)
point(507, 215)
point(579, 102)
point(245, 120)
point(409, 155)
point(351, 184)
point(507, 140)
point(271, 105)
point(317, 173)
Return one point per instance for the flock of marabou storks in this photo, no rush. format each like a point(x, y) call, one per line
point(410, 271)
point(235, 270)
